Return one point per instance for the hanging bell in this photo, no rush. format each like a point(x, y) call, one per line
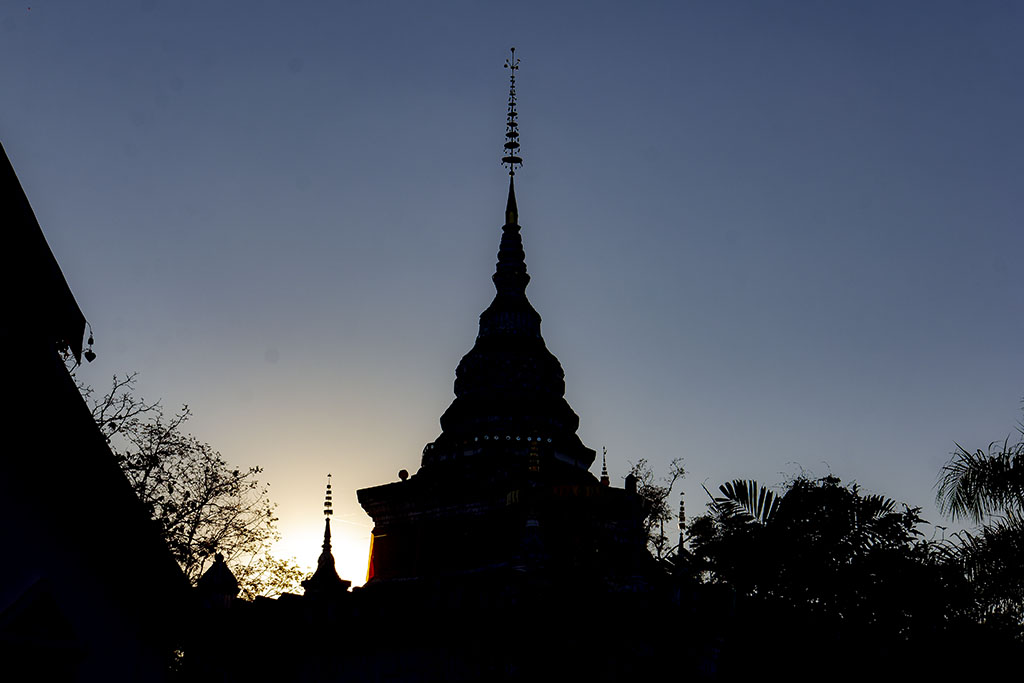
point(89, 354)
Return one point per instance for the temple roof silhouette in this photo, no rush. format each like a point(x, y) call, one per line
point(84, 573)
point(509, 387)
point(44, 305)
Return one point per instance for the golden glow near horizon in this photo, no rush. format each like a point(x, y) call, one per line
point(350, 545)
point(296, 482)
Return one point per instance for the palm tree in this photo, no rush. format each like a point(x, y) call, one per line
point(818, 562)
point(861, 520)
point(988, 489)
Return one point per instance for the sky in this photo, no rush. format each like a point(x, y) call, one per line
point(768, 238)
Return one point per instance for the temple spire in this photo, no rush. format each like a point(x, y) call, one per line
point(605, 480)
point(682, 519)
point(509, 386)
point(325, 579)
point(511, 157)
point(328, 511)
point(510, 276)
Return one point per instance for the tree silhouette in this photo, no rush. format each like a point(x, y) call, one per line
point(202, 504)
point(987, 488)
point(980, 486)
point(657, 507)
point(827, 566)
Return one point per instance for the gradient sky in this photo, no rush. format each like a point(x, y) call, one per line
point(765, 237)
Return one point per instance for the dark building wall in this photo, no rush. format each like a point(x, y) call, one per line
point(88, 591)
point(82, 560)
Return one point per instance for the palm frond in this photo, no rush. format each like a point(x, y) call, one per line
point(977, 485)
point(876, 506)
point(747, 497)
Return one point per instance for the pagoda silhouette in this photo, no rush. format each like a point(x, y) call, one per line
point(506, 486)
point(496, 560)
point(501, 558)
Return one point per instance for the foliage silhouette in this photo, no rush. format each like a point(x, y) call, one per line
point(201, 503)
point(979, 485)
point(817, 529)
point(746, 496)
point(658, 510)
point(824, 565)
point(987, 488)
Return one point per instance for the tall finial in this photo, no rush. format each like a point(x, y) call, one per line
point(605, 480)
point(511, 156)
point(328, 511)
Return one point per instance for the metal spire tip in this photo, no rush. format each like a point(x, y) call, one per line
point(511, 157)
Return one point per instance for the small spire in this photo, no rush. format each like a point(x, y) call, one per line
point(682, 519)
point(328, 511)
point(325, 578)
point(605, 480)
point(511, 156)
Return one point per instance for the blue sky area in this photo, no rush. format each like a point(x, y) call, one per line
point(765, 237)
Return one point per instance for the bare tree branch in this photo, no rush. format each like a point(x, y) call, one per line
point(202, 504)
